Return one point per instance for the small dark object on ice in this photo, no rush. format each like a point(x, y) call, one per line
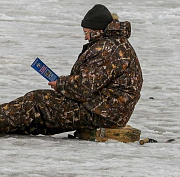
point(149, 140)
point(170, 140)
point(152, 98)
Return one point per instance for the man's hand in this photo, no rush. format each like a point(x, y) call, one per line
point(53, 85)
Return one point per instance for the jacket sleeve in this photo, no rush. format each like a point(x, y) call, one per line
point(100, 67)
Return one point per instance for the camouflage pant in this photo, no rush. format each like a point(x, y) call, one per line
point(44, 112)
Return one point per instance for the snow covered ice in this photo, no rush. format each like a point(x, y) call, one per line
point(50, 30)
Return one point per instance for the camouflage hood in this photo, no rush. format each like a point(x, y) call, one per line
point(114, 29)
point(117, 28)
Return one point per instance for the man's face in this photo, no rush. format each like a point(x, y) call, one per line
point(87, 34)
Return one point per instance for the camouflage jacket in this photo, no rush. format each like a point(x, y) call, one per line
point(106, 79)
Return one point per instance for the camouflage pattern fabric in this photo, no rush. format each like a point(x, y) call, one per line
point(43, 112)
point(107, 77)
point(101, 90)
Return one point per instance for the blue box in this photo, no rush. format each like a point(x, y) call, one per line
point(44, 70)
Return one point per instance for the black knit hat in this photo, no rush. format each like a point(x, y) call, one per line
point(97, 18)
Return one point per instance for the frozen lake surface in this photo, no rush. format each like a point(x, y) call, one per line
point(50, 30)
